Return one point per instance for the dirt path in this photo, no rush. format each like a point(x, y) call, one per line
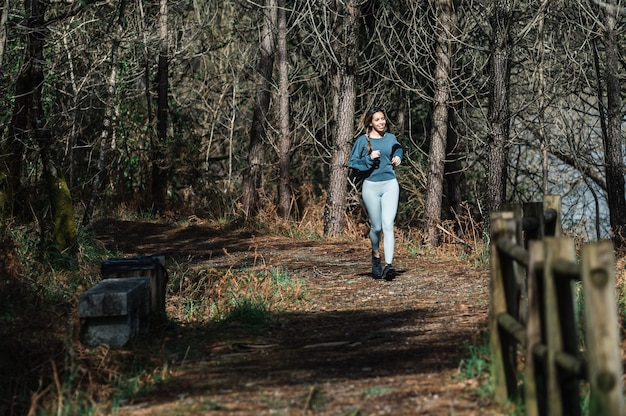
point(356, 346)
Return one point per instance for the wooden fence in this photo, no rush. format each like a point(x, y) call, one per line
point(533, 323)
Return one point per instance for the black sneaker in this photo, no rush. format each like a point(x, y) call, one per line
point(389, 272)
point(377, 269)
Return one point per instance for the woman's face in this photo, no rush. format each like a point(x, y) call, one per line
point(379, 122)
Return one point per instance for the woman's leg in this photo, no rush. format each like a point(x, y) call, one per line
point(371, 197)
point(389, 209)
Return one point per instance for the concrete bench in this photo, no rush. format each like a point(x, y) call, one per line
point(142, 266)
point(114, 311)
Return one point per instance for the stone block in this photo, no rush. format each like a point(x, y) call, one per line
point(114, 311)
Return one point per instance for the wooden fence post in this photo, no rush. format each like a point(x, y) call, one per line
point(554, 369)
point(601, 329)
point(533, 218)
point(553, 228)
point(552, 328)
point(521, 303)
point(535, 392)
point(561, 335)
point(503, 287)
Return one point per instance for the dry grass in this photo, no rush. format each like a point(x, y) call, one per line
point(200, 294)
point(58, 375)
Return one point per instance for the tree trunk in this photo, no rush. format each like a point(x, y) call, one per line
point(345, 48)
point(335, 210)
point(159, 155)
point(3, 28)
point(107, 127)
point(499, 105)
point(285, 196)
point(13, 201)
point(64, 226)
point(29, 121)
point(614, 159)
point(146, 71)
point(453, 169)
point(541, 100)
point(64, 232)
point(253, 181)
point(15, 147)
point(4, 169)
point(439, 129)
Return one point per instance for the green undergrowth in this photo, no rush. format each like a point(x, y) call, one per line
point(38, 321)
point(476, 364)
point(51, 373)
point(476, 368)
point(64, 377)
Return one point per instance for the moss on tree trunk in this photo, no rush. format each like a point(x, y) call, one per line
point(64, 225)
point(64, 231)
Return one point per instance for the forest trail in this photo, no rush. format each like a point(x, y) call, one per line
point(355, 346)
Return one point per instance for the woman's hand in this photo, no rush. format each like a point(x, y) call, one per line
point(396, 161)
point(375, 154)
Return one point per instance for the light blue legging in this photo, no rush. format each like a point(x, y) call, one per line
point(381, 201)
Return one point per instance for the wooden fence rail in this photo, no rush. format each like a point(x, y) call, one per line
point(533, 314)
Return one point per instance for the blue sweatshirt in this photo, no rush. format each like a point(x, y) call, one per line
point(380, 169)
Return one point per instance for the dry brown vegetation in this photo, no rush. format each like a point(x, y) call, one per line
point(320, 336)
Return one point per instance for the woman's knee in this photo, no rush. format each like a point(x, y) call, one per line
point(376, 228)
point(388, 231)
point(387, 224)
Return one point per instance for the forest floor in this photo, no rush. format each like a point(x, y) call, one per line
point(353, 346)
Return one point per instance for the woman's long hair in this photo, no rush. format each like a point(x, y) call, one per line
point(365, 123)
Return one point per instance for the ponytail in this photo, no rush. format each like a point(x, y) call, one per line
point(369, 141)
